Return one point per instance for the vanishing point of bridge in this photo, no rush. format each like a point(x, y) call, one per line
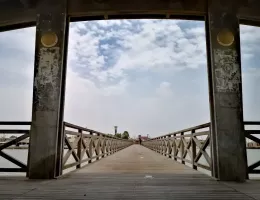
point(134, 172)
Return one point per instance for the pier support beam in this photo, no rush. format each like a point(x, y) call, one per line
point(229, 161)
point(46, 135)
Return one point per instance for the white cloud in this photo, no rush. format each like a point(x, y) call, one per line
point(154, 44)
point(164, 89)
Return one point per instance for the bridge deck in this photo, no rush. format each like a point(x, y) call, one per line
point(133, 173)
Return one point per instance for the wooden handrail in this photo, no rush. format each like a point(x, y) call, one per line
point(173, 143)
point(186, 144)
point(206, 125)
point(24, 134)
point(110, 144)
point(69, 125)
point(94, 144)
point(250, 135)
point(251, 122)
point(15, 123)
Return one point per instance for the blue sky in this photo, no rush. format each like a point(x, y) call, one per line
point(146, 76)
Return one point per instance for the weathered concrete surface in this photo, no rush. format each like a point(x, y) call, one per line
point(134, 180)
point(229, 149)
point(48, 95)
point(22, 13)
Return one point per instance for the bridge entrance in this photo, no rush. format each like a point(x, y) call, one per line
point(48, 133)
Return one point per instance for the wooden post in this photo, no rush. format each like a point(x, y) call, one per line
point(165, 144)
point(46, 135)
point(193, 148)
point(103, 147)
point(98, 147)
point(169, 147)
point(182, 148)
point(228, 140)
point(174, 147)
point(79, 148)
point(162, 146)
point(90, 149)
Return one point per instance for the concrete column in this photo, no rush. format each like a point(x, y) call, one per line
point(46, 135)
point(225, 87)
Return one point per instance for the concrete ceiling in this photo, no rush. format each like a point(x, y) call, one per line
point(22, 13)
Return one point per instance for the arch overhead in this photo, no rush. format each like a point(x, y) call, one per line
point(22, 13)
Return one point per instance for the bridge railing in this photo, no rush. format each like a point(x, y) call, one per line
point(186, 146)
point(86, 145)
point(192, 145)
point(252, 132)
point(81, 145)
point(8, 142)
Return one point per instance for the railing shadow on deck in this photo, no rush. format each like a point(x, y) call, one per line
point(81, 145)
point(192, 145)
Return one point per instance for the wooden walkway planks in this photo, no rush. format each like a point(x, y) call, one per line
point(137, 159)
point(133, 173)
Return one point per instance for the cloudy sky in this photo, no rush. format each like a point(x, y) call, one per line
point(146, 76)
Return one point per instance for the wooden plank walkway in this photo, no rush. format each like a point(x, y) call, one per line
point(133, 173)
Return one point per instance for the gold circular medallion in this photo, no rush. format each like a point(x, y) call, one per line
point(49, 39)
point(225, 37)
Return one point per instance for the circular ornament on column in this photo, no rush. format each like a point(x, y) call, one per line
point(225, 37)
point(49, 39)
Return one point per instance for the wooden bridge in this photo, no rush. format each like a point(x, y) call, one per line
point(104, 167)
point(133, 172)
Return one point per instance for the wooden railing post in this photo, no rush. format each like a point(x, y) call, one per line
point(169, 147)
point(103, 147)
point(174, 147)
point(98, 147)
point(79, 148)
point(193, 147)
point(112, 146)
point(165, 145)
point(158, 145)
point(90, 148)
point(182, 148)
point(162, 146)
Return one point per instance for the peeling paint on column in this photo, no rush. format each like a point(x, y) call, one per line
point(47, 78)
point(227, 73)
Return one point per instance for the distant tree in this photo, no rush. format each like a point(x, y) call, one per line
point(125, 135)
point(118, 135)
point(13, 137)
